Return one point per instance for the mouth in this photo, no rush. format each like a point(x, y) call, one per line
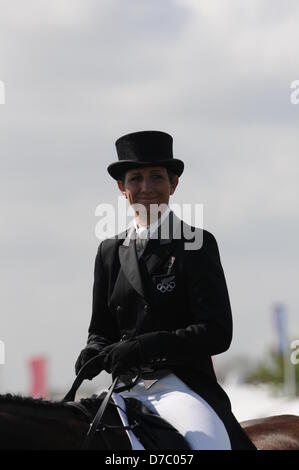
point(148, 202)
point(147, 198)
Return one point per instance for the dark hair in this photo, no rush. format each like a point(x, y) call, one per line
point(171, 176)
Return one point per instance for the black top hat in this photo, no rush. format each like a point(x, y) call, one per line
point(144, 148)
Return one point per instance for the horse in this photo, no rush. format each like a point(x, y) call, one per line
point(39, 424)
point(280, 432)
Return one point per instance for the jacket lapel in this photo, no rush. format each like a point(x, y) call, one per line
point(155, 254)
point(159, 249)
point(129, 262)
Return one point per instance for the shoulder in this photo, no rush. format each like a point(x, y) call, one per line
point(196, 238)
point(198, 245)
point(109, 246)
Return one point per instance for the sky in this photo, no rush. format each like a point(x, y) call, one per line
point(216, 75)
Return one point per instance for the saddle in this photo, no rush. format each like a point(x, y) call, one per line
point(154, 432)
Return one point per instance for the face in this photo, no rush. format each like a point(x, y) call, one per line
point(148, 185)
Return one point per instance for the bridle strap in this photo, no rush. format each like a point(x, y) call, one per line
point(78, 406)
point(129, 385)
point(70, 397)
point(99, 414)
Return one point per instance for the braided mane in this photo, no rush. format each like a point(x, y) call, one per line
point(11, 399)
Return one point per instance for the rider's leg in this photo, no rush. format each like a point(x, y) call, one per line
point(121, 407)
point(189, 413)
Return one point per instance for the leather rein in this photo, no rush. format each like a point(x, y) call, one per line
point(95, 421)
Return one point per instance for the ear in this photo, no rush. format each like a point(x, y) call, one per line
point(174, 184)
point(121, 188)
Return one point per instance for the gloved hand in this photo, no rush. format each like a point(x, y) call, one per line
point(120, 357)
point(84, 356)
point(94, 368)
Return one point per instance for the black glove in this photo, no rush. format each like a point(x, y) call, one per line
point(96, 366)
point(121, 357)
point(84, 356)
point(92, 369)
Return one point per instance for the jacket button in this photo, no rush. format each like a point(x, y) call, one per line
point(119, 308)
point(124, 337)
point(146, 307)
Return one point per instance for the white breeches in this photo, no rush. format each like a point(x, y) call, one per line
point(184, 409)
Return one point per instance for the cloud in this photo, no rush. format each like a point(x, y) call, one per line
point(78, 75)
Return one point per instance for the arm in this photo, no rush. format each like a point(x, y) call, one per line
point(102, 329)
point(101, 332)
point(210, 332)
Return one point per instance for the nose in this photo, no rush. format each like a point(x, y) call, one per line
point(146, 185)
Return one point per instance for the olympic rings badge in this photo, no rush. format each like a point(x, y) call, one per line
point(166, 285)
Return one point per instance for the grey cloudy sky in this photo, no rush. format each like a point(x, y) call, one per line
point(215, 74)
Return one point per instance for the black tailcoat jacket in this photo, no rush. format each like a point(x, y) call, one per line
point(179, 326)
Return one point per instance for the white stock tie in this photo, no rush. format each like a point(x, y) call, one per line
point(141, 239)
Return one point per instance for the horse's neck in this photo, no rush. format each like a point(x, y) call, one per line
point(40, 427)
point(25, 425)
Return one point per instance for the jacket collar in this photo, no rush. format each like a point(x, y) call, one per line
point(156, 252)
point(154, 226)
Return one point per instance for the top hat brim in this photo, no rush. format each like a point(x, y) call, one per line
point(117, 169)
